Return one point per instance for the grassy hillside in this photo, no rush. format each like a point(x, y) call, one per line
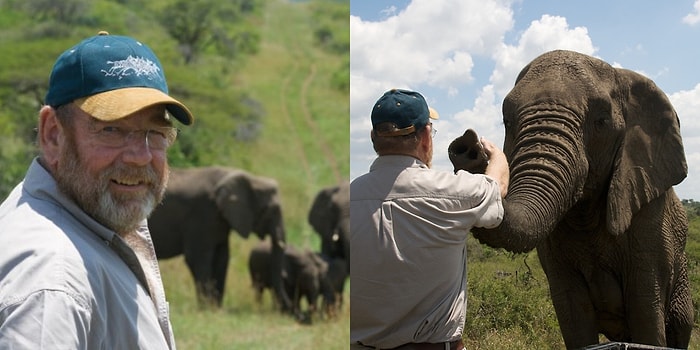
point(304, 146)
point(270, 97)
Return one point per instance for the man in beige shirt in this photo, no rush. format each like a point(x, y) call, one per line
point(409, 225)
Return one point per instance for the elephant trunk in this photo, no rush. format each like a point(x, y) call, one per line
point(548, 170)
point(278, 247)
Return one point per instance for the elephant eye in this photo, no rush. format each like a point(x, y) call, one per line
point(507, 123)
point(600, 123)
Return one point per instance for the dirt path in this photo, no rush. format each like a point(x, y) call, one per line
point(318, 136)
point(298, 147)
point(305, 62)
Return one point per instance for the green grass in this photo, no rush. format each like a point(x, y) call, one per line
point(242, 323)
point(305, 140)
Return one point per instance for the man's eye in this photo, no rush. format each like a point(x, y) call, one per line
point(156, 132)
point(111, 130)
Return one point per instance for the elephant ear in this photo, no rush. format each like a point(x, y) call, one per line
point(323, 215)
point(233, 195)
point(651, 159)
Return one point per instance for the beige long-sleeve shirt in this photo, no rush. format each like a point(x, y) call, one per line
point(408, 228)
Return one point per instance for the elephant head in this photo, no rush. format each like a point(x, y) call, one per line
point(594, 152)
point(579, 131)
point(329, 216)
point(250, 204)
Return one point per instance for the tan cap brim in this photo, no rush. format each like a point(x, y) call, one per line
point(433, 113)
point(116, 104)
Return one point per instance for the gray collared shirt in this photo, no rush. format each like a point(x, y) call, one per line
point(67, 282)
point(408, 228)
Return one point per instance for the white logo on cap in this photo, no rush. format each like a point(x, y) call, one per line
point(132, 65)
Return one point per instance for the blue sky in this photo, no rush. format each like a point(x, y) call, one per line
point(464, 55)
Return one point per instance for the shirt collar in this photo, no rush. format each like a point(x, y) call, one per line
point(396, 161)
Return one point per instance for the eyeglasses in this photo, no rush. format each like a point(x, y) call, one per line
point(433, 131)
point(157, 138)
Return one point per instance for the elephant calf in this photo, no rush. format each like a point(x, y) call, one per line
point(305, 275)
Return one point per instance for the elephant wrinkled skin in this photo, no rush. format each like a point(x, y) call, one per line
point(594, 152)
point(200, 208)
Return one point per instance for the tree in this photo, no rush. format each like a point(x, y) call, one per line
point(199, 25)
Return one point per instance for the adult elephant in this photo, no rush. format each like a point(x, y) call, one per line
point(594, 152)
point(200, 208)
point(330, 218)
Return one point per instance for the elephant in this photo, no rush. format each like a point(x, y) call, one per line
point(306, 275)
point(329, 216)
point(594, 152)
point(200, 208)
point(338, 273)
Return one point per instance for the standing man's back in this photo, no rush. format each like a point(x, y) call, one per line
point(409, 225)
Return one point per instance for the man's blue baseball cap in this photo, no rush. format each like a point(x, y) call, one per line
point(111, 77)
point(405, 109)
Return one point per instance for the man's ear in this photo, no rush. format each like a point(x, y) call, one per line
point(426, 137)
point(51, 136)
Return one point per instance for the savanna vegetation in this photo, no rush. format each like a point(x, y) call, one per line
point(268, 83)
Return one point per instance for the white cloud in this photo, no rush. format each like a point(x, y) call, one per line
point(548, 33)
point(687, 105)
point(694, 17)
point(389, 11)
point(429, 43)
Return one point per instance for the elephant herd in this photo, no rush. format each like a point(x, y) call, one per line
point(203, 205)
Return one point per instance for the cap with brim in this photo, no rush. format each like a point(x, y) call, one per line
point(111, 77)
point(116, 104)
point(401, 112)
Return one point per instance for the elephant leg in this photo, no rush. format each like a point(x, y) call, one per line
point(646, 302)
point(572, 303)
point(219, 269)
point(200, 266)
point(680, 323)
point(575, 315)
point(277, 268)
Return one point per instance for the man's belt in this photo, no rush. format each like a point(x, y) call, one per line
point(454, 345)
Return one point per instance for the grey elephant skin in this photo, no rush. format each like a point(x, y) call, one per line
point(594, 152)
point(329, 216)
point(200, 208)
point(306, 275)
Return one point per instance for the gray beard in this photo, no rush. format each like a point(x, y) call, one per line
point(122, 213)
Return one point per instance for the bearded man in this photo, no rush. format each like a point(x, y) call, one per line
point(77, 267)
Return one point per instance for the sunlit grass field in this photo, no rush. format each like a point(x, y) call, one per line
point(242, 323)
